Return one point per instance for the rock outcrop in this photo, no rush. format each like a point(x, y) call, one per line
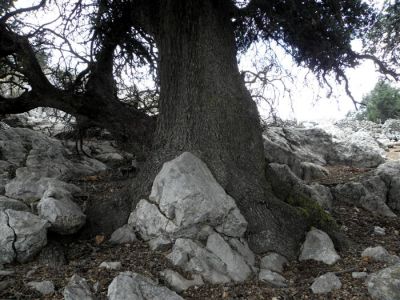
point(188, 209)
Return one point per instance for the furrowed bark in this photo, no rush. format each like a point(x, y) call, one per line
point(206, 109)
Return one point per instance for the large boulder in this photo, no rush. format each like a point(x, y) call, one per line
point(190, 212)
point(287, 185)
point(389, 172)
point(22, 235)
point(292, 146)
point(9, 203)
point(326, 283)
point(57, 207)
point(369, 193)
point(384, 285)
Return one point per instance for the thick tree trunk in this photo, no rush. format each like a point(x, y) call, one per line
point(206, 109)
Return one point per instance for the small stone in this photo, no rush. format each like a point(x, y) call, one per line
point(77, 288)
point(178, 283)
point(379, 253)
point(272, 278)
point(273, 262)
point(123, 235)
point(160, 244)
point(358, 275)
point(326, 283)
point(111, 265)
point(318, 246)
point(44, 287)
point(379, 230)
point(7, 272)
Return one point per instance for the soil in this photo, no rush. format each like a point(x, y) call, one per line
point(83, 257)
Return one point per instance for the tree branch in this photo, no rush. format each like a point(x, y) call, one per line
point(21, 10)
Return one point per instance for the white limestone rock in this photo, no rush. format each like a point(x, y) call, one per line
point(318, 246)
point(179, 283)
point(326, 283)
point(379, 253)
point(7, 238)
point(57, 207)
point(384, 285)
point(78, 288)
point(187, 194)
point(193, 258)
point(359, 275)
point(241, 246)
point(129, 285)
point(123, 235)
point(111, 265)
point(273, 262)
point(273, 278)
point(30, 234)
point(236, 266)
point(9, 203)
point(44, 287)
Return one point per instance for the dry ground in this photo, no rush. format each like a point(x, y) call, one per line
point(84, 257)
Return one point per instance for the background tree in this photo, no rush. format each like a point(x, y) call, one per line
point(190, 48)
point(382, 103)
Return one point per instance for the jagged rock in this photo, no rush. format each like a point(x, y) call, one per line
point(179, 283)
point(236, 266)
point(318, 246)
point(8, 203)
point(272, 278)
point(123, 235)
point(160, 244)
point(186, 195)
point(57, 207)
point(370, 194)
point(290, 145)
point(358, 275)
point(384, 285)
point(44, 287)
point(380, 254)
point(128, 285)
point(111, 265)
point(241, 246)
point(326, 283)
point(389, 172)
point(192, 257)
point(273, 262)
point(286, 185)
point(187, 206)
point(391, 129)
point(22, 235)
point(78, 288)
point(311, 171)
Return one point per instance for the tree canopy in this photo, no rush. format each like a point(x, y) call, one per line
point(98, 50)
point(382, 103)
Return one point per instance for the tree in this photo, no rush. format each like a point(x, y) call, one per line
point(382, 103)
point(203, 106)
point(384, 37)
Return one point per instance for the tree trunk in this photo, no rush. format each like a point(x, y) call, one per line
point(206, 109)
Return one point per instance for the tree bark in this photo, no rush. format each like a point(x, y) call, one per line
point(206, 109)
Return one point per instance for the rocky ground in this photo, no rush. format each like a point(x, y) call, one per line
point(83, 257)
point(64, 230)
